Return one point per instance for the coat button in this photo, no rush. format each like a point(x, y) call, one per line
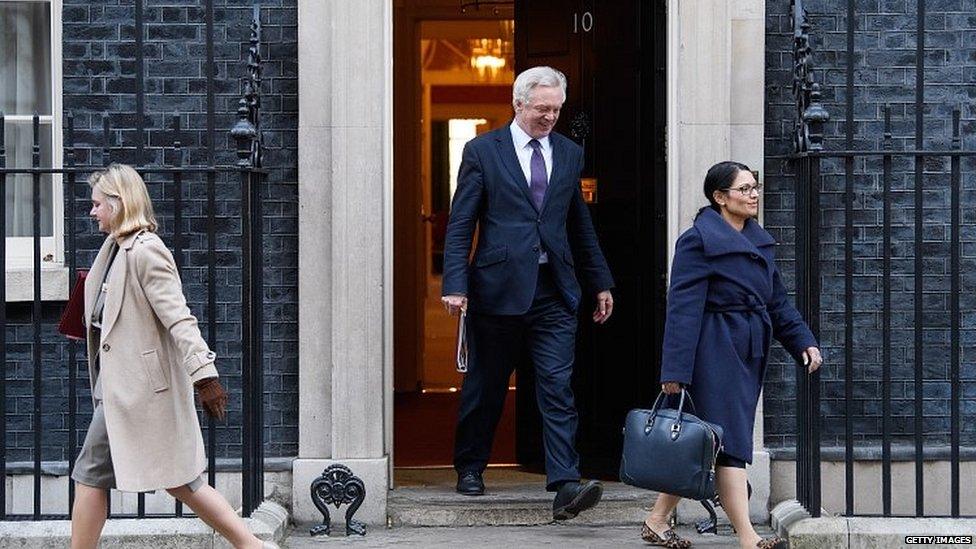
point(535, 248)
point(538, 221)
point(754, 256)
point(106, 347)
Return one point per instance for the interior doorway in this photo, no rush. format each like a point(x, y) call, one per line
point(453, 82)
point(614, 57)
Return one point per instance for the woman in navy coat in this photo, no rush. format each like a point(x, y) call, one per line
point(725, 304)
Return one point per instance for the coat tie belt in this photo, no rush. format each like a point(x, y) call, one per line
point(756, 321)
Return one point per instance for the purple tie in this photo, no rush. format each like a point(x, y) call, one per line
point(539, 180)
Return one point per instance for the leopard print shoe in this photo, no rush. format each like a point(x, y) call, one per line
point(772, 543)
point(670, 538)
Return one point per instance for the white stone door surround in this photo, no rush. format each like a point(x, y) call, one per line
point(345, 151)
point(716, 82)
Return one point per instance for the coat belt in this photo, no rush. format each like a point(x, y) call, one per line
point(756, 321)
point(735, 308)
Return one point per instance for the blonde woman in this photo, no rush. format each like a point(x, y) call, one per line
point(145, 358)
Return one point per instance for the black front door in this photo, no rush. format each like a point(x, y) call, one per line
point(613, 55)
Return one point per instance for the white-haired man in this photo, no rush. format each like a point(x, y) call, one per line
point(520, 186)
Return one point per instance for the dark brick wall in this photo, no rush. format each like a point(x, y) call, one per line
point(100, 78)
point(884, 73)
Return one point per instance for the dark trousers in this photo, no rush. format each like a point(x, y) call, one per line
point(547, 333)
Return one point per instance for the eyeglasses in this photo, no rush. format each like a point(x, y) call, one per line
point(746, 190)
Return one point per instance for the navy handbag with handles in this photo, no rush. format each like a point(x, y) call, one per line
point(670, 451)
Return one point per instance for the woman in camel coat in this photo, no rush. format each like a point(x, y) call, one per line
point(145, 358)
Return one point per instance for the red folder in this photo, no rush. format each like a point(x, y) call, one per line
point(72, 324)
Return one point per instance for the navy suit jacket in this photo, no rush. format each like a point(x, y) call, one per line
point(493, 194)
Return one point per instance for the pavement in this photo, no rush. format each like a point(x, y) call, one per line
point(563, 535)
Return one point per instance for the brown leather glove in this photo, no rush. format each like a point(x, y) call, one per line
point(212, 396)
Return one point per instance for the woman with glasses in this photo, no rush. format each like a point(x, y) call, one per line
point(725, 303)
point(146, 358)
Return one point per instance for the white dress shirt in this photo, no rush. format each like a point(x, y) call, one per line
point(524, 153)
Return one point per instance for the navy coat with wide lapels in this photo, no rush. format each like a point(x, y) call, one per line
point(725, 303)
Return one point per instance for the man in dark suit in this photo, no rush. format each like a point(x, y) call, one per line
point(520, 185)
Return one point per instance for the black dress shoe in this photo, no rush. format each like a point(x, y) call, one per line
point(470, 483)
point(573, 498)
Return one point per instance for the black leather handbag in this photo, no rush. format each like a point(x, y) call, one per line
point(670, 451)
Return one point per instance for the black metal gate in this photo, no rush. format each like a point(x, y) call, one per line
point(847, 179)
point(173, 179)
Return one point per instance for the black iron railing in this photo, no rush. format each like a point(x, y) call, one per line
point(176, 179)
point(855, 176)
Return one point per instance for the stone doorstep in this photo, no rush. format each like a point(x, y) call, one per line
point(269, 522)
point(520, 506)
point(791, 520)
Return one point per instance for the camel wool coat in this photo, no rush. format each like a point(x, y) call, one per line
point(150, 354)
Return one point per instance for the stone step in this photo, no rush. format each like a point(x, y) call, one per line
point(520, 505)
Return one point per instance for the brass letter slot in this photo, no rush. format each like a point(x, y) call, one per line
point(588, 188)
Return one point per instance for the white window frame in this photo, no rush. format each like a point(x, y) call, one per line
point(20, 250)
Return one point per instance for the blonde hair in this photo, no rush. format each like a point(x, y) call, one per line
point(127, 196)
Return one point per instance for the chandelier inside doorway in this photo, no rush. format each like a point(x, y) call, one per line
point(489, 56)
point(471, 52)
